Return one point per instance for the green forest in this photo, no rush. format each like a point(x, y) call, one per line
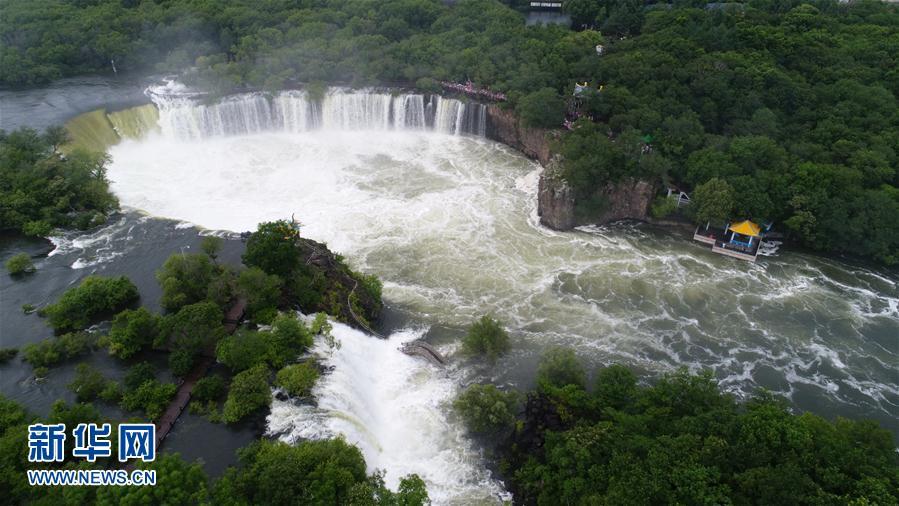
point(679, 440)
point(775, 111)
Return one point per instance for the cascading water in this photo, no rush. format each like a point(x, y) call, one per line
point(293, 112)
point(390, 405)
point(409, 112)
point(185, 118)
point(182, 116)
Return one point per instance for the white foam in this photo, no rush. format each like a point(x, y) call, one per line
point(395, 409)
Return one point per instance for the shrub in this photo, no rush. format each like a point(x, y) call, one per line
point(185, 279)
point(211, 246)
point(111, 393)
point(261, 290)
point(663, 206)
point(210, 388)
point(7, 354)
point(486, 409)
point(88, 383)
point(273, 248)
point(243, 350)
point(288, 339)
point(152, 397)
point(19, 264)
point(560, 367)
point(139, 374)
point(188, 331)
point(54, 350)
point(249, 392)
point(486, 337)
point(298, 379)
point(28, 308)
point(132, 331)
point(273, 472)
point(95, 297)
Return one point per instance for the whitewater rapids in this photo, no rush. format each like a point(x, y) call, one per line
point(449, 223)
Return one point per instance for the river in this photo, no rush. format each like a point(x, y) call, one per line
point(447, 219)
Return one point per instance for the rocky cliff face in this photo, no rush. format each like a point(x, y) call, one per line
point(504, 126)
point(555, 199)
point(626, 200)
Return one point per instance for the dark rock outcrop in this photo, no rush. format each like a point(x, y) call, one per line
point(625, 200)
point(343, 295)
point(555, 199)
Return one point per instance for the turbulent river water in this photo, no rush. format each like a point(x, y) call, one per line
point(407, 187)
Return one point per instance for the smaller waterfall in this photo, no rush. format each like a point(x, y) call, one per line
point(409, 112)
point(356, 111)
point(293, 112)
point(455, 117)
point(183, 117)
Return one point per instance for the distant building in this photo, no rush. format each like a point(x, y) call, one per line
point(548, 5)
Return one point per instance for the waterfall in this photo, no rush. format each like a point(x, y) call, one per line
point(394, 408)
point(455, 117)
point(409, 112)
point(293, 112)
point(185, 116)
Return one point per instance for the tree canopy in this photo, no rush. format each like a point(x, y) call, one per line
point(41, 190)
point(683, 441)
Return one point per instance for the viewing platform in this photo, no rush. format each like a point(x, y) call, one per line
point(740, 240)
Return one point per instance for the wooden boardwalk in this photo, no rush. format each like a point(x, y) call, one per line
point(182, 397)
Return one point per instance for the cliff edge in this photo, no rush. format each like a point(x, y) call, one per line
point(628, 199)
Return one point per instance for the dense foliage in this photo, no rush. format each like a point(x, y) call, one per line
point(312, 472)
point(93, 299)
point(682, 441)
point(487, 409)
point(132, 331)
point(486, 337)
point(7, 354)
point(41, 189)
point(308, 274)
point(274, 248)
point(185, 279)
point(54, 350)
point(298, 379)
point(793, 106)
point(19, 263)
point(89, 384)
point(286, 340)
point(249, 392)
point(262, 291)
